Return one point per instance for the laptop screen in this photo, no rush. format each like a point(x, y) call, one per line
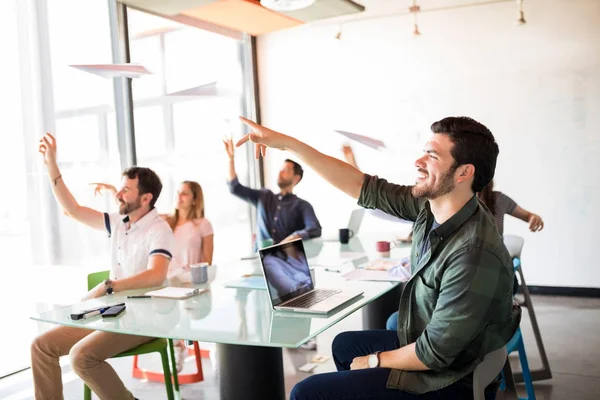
point(286, 271)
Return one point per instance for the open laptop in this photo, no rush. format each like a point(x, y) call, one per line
point(354, 223)
point(290, 285)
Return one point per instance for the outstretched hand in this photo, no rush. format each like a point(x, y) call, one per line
point(47, 148)
point(229, 148)
point(100, 187)
point(263, 137)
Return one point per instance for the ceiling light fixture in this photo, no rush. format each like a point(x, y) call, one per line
point(286, 5)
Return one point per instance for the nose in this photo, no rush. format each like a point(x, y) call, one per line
point(420, 162)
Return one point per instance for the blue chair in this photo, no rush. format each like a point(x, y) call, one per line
point(514, 244)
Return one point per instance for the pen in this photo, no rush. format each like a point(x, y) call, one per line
point(139, 297)
point(333, 270)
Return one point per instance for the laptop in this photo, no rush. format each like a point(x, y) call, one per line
point(290, 285)
point(354, 223)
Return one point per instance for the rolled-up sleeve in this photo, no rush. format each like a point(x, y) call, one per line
point(312, 228)
point(162, 243)
point(473, 290)
point(396, 200)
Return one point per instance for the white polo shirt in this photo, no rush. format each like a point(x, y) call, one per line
point(131, 245)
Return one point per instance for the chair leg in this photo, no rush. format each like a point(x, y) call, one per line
point(525, 368)
point(174, 362)
point(508, 383)
point(87, 392)
point(166, 370)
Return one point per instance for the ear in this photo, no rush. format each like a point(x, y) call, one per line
point(146, 198)
point(465, 173)
point(296, 179)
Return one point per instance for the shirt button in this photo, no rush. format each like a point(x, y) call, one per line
point(279, 207)
point(274, 230)
point(275, 219)
point(280, 197)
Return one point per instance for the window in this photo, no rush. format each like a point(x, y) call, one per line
point(181, 137)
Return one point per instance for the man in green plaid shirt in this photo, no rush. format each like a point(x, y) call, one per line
point(458, 305)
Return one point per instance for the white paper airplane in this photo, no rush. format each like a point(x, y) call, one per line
point(367, 141)
point(114, 70)
point(208, 89)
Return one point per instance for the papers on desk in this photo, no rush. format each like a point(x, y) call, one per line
point(250, 282)
point(336, 260)
point(361, 274)
point(176, 292)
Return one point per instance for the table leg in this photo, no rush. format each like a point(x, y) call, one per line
point(250, 372)
point(376, 313)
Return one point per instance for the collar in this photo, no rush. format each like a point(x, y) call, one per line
point(445, 229)
point(145, 221)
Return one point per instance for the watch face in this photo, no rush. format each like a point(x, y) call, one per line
point(373, 361)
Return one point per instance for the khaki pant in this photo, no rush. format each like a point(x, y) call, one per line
point(88, 351)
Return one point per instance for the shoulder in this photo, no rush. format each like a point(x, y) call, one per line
point(202, 222)
point(478, 238)
point(159, 226)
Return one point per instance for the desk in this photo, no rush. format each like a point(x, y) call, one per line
point(248, 333)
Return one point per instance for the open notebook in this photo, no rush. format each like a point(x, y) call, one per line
point(176, 292)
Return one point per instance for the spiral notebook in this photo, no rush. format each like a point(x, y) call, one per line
point(176, 292)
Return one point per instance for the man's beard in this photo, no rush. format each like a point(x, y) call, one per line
point(282, 183)
point(127, 208)
point(430, 193)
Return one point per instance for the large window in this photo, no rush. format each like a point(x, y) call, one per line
point(181, 137)
point(46, 255)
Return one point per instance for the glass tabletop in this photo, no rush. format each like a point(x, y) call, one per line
point(227, 315)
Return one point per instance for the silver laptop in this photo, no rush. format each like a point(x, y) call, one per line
point(354, 223)
point(290, 285)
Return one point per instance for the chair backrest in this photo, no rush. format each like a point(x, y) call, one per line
point(514, 244)
point(487, 371)
point(95, 278)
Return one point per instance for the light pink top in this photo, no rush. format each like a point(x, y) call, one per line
point(188, 244)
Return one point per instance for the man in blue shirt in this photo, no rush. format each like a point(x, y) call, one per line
point(282, 216)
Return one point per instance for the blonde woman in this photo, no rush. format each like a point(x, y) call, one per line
point(194, 237)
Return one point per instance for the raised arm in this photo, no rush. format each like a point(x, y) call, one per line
point(340, 174)
point(235, 187)
point(87, 216)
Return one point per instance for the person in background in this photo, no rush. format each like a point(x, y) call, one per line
point(500, 204)
point(282, 216)
point(194, 237)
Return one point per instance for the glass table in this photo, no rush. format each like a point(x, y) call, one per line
point(249, 334)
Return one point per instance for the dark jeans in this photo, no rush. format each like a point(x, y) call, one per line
point(365, 384)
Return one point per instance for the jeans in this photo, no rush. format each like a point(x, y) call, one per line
point(365, 384)
point(392, 322)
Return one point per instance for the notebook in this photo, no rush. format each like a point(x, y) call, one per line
point(176, 292)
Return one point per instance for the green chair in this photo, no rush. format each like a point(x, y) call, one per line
point(155, 346)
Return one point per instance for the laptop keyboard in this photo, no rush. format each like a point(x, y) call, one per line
point(312, 298)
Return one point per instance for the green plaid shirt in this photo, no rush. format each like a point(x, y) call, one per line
point(458, 305)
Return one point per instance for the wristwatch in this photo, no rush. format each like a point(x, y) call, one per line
point(373, 360)
point(109, 286)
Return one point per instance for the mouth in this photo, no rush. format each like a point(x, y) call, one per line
point(421, 176)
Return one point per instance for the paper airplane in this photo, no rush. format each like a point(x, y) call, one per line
point(114, 70)
point(209, 89)
point(367, 141)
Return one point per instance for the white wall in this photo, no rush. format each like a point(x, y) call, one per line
point(537, 87)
